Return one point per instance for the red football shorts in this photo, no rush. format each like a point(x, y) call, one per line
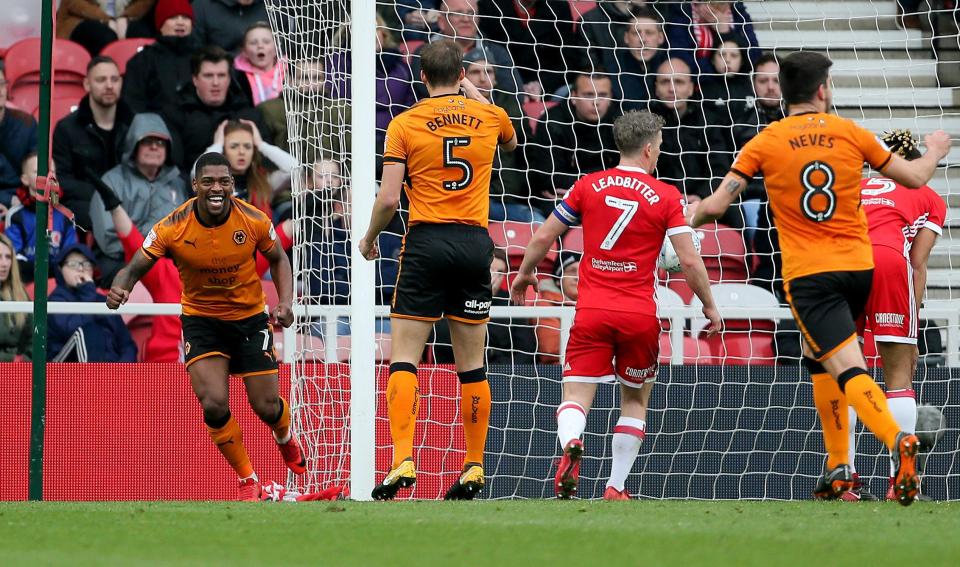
point(607, 345)
point(891, 312)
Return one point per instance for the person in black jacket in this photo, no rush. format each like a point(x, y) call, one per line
point(215, 97)
point(92, 137)
point(687, 157)
point(161, 72)
point(641, 49)
point(573, 139)
point(541, 35)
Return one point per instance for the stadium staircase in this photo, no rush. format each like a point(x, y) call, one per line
point(884, 78)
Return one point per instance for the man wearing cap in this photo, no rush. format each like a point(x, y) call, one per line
point(145, 181)
point(160, 71)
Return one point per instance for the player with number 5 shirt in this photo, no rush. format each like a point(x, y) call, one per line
point(812, 162)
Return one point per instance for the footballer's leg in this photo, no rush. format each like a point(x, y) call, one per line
point(209, 379)
point(263, 393)
point(628, 435)
point(468, 338)
point(899, 366)
point(571, 421)
point(831, 405)
point(408, 337)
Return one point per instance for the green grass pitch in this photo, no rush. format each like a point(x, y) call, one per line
point(483, 533)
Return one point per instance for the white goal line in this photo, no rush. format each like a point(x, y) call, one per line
point(948, 311)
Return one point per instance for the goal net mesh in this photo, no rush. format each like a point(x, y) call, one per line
point(730, 417)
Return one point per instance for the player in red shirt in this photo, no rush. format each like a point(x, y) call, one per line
point(626, 213)
point(903, 225)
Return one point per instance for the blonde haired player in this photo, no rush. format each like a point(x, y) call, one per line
point(812, 162)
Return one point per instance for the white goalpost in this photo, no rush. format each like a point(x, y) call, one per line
point(728, 419)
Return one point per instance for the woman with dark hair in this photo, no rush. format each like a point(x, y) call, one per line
point(240, 142)
point(732, 79)
point(16, 329)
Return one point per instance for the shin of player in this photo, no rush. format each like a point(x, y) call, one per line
point(615, 335)
point(827, 291)
point(904, 225)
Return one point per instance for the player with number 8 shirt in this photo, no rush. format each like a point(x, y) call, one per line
point(812, 162)
point(626, 213)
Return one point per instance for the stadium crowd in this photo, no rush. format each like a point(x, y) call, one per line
point(205, 76)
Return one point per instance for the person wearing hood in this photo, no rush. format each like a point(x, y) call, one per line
point(223, 22)
point(21, 223)
point(161, 71)
point(84, 338)
point(213, 98)
point(146, 181)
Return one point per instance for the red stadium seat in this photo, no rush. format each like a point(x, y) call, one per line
point(723, 252)
point(694, 351)
point(753, 348)
point(123, 50)
point(22, 68)
point(141, 329)
point(60, 108)
point(573, 239)
point(513, 238)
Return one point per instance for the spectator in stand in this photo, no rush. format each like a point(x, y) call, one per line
point(16, 329)
point(394, 85)
point(605, 26)
point(84, 338)
point(543, 38)
point(509, 341)
point(156, 75)
point(509, 192)
point(561, 292)
point(685, 159)
point(320, 123)
point(240, 141)
point(695, 29)
point(21, 223)
point(94, 24)
point(258, 66)
point(418, 18)
point(576, 139)
point(146, 180)
point(91, 137)
point(458, 21)
point(642, 51)
point(18, 139)
point(162, 281)
point(223, 22)
point(213, 99)
point(732, 81)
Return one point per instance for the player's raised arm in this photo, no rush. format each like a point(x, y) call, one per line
point(128, 277)
point(716, 205)
point(537, 249)
point(696, 275)
point(916, 173)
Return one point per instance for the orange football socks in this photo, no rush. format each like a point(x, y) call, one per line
point(831, 405)
point(871, 405)
point(229, 440)
point(475, 412)
point(403, 403)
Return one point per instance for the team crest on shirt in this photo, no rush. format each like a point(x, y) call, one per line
point(239, 237)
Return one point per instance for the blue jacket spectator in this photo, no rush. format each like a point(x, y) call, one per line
point(695, 29)
point(22, 223)
point(84, 338)
point(18, 138)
